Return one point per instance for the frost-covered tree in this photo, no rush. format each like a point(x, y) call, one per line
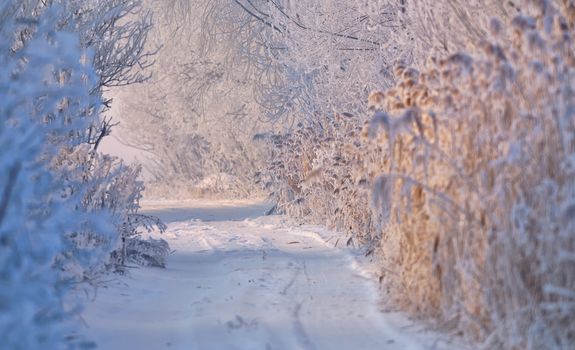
point(231, 69)
point(225, 74)
point(196, 120)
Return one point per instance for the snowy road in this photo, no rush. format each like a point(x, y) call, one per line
point(241, 281)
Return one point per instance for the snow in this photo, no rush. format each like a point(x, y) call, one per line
point(240, 280)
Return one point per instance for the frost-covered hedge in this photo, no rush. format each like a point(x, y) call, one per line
point(63, 206)
point(34, 219)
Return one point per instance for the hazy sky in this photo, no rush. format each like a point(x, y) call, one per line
point(113, 144)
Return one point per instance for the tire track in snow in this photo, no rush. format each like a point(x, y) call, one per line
point(302, 337)
point(291, 281)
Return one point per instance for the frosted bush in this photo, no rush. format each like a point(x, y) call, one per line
point(149, 252)
point(111, 191)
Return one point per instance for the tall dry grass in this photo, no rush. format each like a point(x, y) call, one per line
point(463, 183)
point(477, 189)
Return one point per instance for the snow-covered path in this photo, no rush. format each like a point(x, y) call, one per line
point(240, 281)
